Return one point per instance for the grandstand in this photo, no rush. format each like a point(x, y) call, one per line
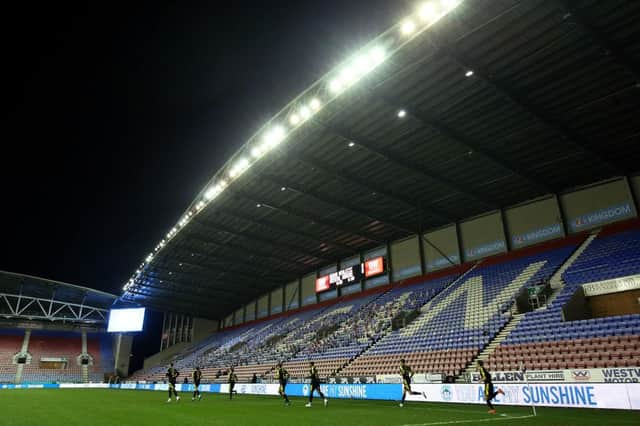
point(460, 314)
point(53, 332)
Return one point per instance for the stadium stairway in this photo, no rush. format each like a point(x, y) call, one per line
point(454, 282)
point(84, 368)
point(556, 281)
point(490, 348)
point(23, 350)
point(557, 284)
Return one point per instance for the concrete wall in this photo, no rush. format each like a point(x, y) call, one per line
point(250, 311)
point(483, 236)
point(405, 259)
point(292, 296)
point(276, 300)
point(598, 205)
point(238, 316)
point(203, 328)
point(263, 306)
point(164, 356)
point(228, 321)
point(634, 181)
point(309, 289)
point(124, 343)
point(446, 240)
point(534, 222)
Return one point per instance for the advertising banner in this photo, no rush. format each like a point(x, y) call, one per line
point(576, 395)
point(252, 388)
point(418, 378)
point(616, 285)
point(531, 237)
point(596, 395)
point(576, 375)
point(81, 385)
point(373, 391)
point(609, 214)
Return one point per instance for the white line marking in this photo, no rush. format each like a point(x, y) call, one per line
point(455, 422)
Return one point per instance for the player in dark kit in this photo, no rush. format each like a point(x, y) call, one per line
point(407, 375)
point(196, 376)
point(232, 379)
point(489, 394)
point(282, 375)
point(172, 376)
point(315, 385)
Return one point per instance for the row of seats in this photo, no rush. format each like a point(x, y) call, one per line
point(544, 340)
point(465, 316)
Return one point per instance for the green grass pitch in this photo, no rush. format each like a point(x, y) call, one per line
point(82, 407)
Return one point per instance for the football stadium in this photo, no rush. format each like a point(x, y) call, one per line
point(442, 229)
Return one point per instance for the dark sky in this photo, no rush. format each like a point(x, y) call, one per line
point(117, 114)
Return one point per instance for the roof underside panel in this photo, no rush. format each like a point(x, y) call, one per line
point(552, 104)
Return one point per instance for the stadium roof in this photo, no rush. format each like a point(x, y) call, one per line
point(33, 298)
point(462, 108)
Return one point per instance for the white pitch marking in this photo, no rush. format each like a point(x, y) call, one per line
point(456, 422)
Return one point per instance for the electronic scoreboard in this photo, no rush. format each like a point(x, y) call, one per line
point(352, 274)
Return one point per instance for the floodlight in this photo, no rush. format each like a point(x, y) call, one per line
point(402, 113)
point(378, 55)
point(450, 4)
point(335, 86)
point(362, 64)
point(428, 12)
point(408, 27)
point(239, 167)
point(315, 104)
point(274, 136)
point(347, 75)
point(294, 119)
point(305, 112)
point(256, 152)
point(468, 73)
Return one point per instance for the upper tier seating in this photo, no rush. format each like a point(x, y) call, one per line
point(543, 340)
point(461, 320)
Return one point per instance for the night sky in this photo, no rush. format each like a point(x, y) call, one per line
point(116, 115)
point(119, 114)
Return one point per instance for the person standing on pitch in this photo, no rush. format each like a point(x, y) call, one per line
point(407, 375)
point(283, 376)
point(196, 376)
point(172, 376)
point(315, 385)
point(489, 394)
point(232, 379)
